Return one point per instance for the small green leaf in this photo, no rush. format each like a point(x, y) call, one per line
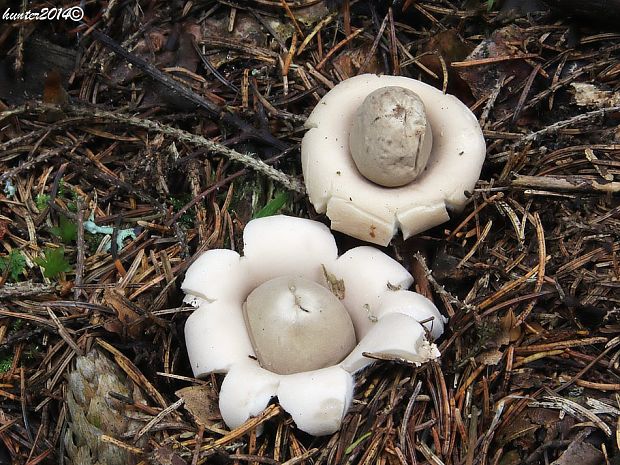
point(54, 262)
point(66, 230)
point(357, 442)
point(273, 206)
point(14, 262)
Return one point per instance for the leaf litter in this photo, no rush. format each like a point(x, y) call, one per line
point(180, 124)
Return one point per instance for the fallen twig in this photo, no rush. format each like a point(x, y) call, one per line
point(186, 92)
point(179, 134)
point(565, 183)
point(25, 289)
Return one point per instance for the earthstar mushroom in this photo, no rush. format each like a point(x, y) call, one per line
point(291, 284)
point(340, 184)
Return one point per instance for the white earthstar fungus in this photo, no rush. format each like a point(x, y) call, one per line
point(267, 318)
point(368, 162)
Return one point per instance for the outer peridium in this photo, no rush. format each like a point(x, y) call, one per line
point(363, 209)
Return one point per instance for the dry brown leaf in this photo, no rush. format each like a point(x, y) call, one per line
point(201, 403)
point(507, 333)
point(451, 47)
point(512, 332)
point(129, 322)
point(53, 92)
point(4, 227)
point(522, 430)
point(351, 61)
point(164, 455)
point(483, 78)
point(490, 357)
point(580, 452)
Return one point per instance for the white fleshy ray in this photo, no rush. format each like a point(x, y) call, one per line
point(216, 337)
point(416, 306)
point(368, 274)
point(394, 334)
point(317, 400)
point(216, 274)
point(245, 392)
point(283, 245)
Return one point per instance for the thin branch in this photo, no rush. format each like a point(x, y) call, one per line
point(184, 91)
point(178, 134)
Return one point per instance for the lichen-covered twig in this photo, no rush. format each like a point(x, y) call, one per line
point(245, 159)
point(25, 289)
point(581, 118)
point(565, 183)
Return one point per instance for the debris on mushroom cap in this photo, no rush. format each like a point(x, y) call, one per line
point(363, 209)
point(297, 325)
point(387, 319)
point(390, 138)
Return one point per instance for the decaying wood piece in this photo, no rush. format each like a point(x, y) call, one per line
point(565, 183)
point(590, 95)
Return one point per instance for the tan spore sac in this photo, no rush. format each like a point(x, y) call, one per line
point(390, 138)
point(285, 318)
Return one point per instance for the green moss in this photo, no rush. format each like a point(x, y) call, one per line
point(14, 264)
point(42, 201)
point(187, 219)
point(6, 362)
